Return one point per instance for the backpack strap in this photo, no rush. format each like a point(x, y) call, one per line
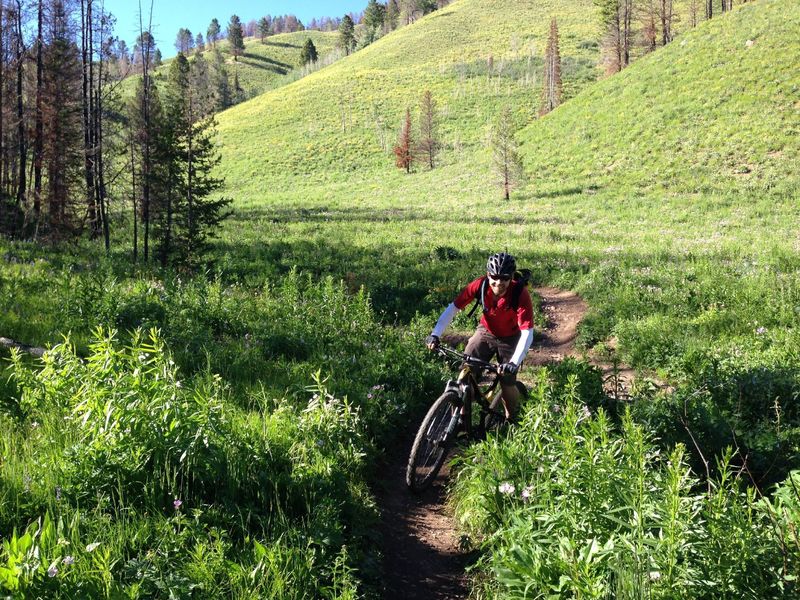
point(522, 278)
point(480, 296)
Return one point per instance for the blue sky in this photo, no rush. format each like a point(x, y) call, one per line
point(169, 16)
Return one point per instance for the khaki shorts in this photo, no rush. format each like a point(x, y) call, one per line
point(484, 345)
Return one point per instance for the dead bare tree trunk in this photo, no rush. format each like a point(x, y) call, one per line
point(38, 142)
point(666, 21)
point(2, 104)
point(23, 148)
point(87, 55)
point(146, 166)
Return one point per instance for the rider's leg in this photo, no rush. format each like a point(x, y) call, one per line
point(508, 382)
point(510, 396)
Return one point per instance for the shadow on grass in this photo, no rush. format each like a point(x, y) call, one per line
point(281, 44)
point(266, 63)
point(323, 214)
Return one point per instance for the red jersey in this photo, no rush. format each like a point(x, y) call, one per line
point(499, 317)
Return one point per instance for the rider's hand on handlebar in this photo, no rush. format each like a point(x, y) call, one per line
point(508, 368)
point(432, 342)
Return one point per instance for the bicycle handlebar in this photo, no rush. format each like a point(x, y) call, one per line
point(468, 360)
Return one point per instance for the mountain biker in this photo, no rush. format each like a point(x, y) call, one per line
point(504, 328)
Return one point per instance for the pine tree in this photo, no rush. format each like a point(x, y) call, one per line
point(309, 53)
point(236, 37)
point(507, 163)
point(184, 41)
point(374, 15)
point(263, 28)
point(551, 90)
point(403, 151)
point(347, 37)
point(429, 144)
point(199, 43)
point(220, 83)
point(187, 216)
point(212, 33)
point(63, 153)
point(392, 16)
point(616, 21)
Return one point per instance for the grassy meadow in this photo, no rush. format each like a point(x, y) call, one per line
point(216, 434)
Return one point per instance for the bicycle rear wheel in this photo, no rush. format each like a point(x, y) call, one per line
point(432, 442)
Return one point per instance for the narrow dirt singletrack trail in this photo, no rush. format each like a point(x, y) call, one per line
point(422, 558)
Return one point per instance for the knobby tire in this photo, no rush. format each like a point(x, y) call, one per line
point(430, 445)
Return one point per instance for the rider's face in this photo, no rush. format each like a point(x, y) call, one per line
point(499, 285)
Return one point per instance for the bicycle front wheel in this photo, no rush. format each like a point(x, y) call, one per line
point(432, 442)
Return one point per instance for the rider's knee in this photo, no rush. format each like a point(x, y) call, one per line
point(508, 379)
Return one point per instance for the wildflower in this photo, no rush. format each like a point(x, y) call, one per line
point(506, 488)
point(527, 493)
point(92, 547)
point(655, 575)
point(585, 413)
point(177, 503)
point(58, 492)
point(761, 330)
point(52, 571)
point(68, 560)
point(540, 469)
point(369, 396)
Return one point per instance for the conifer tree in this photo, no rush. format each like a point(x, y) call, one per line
point(199, 43)
point(374, 15)
point(309, 52)
point(220, 82)
point(551, 90)
point(236, 37)
point(188, 217)
point(403, 151)
point(263, 28)
point(506, 159)
point(184, 41)
point(212, 33)
point(429, 144)
point(392, 16)
point(347, 37)
point(616, 21)
point(63, 152)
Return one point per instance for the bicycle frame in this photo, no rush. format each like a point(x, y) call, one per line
point(468, 388)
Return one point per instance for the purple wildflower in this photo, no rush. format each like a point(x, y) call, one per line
point(52, 571)
point(177, 503)
point(506, 488)
point(68, 560)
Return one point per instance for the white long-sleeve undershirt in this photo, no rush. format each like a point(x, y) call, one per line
point(444, 321)
point(523, 345)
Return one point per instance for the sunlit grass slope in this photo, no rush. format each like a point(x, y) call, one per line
point(718, 110)
point(263, 64)
point(474, 55)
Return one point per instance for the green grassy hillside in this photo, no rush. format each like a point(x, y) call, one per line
point(716, 110)
point(342, 121)
point(263, 65)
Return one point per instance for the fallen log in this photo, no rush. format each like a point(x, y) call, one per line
point(9, 343)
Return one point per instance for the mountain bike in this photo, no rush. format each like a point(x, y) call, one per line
point(451, 413)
